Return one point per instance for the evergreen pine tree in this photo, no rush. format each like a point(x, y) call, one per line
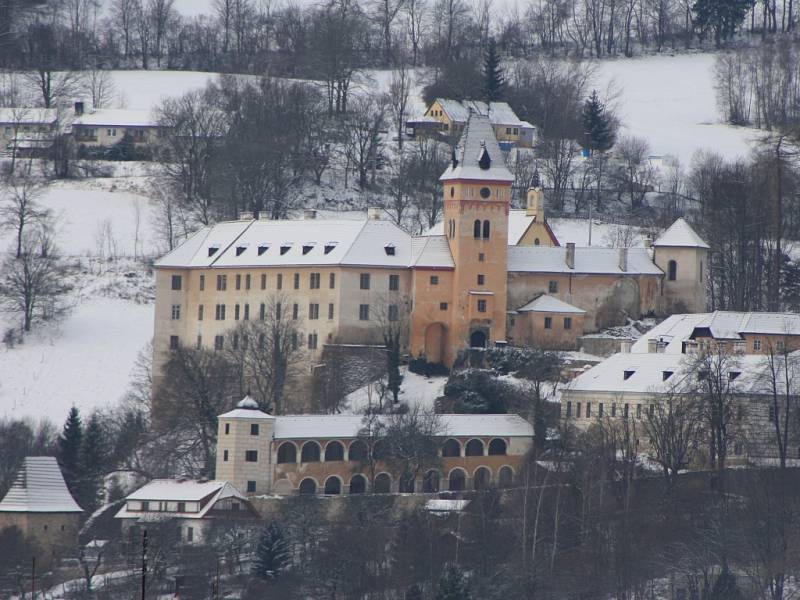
point(92, 463)
point(725, 587)
point(69, 450)
point(597, 126)
point(272, 553)
point(494, 79)
point(453, 585)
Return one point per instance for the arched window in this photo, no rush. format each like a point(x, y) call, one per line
point(430, 483)
point(505, 477)
point(308, 487)
point(457, 481)
point(474, 448)
point(333, 485)
point(310, 452)
point(476, 229)
point(536, 241)
point(451, 448)
point(357, 451)
point(486, 230)
point(334, 451)
point(358, 484)
point(497, 447)
point(287, 453)
point(407, 484)
point(672, 270)
point(382, 484)
point(482, 478)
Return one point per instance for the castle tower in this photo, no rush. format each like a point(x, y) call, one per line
point(244, 447)
point(684, 257)
point(477, 192)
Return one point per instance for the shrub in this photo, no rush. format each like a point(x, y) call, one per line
point(421, 366)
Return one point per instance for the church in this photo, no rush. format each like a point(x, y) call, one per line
point(491, 276)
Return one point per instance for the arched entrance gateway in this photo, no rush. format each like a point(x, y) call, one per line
point(477, 339)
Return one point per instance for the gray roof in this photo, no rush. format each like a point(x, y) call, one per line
point(39, 487)
point(478, 139)
point(588, 261)
point(681, 235)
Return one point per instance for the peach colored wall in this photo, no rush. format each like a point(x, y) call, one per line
point(529, 330)
point(429, 323)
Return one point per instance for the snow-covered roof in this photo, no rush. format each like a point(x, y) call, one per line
point(348, 426)
point(264, 243)
point(477, 141)
point(247, 408)
point(28, 116)
point(592, 260)
point(445, 505)
point(177, 490)
point(432, 252)
point(660, 373)
point(117, 117)
point(671, 332)
point(680, 234)
point(499, 113)
point(551, 304)
point(39, 487)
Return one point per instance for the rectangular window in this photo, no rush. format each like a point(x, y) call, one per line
point(363, 312)
point(364, 281)
point(236, 312)
point(313, 311)
point(145, 505)
point(627, 411)
point(314, 281)
point(278, 311)
point(222, 283)
point(394, 313)
point(246, 312)
point(481, 279)
point(251, 455)
point(227, 428)
point(280, 281)
point(569, 408)
point(294, 340)
point(297, 281)
point(780, 346)
point(263, 281)
point(434, 280)
point(330, 311)
point(638, 411)
point(200, 312)
point(238, 281)
point(176, 282)
point(202, 282)
point(253, 428)
point(181, 507)
point(588, 410)
point(224, 456)
point(394, 283)
point(247, 279)
point(199, 342)
point(176, 312)
point(600, 410)
point(482, 306)
point(312, 341)
point(219, 312)
point(219, 342)
point(757, 344)
point(174, 342)
point(481, 257)
point(442, 305)
point(262, 311)
point(567, 322)
point(508, 130)
point(548, 322)
point(251, 486)
point(332, 280)
point(577, 410)
point(552, 287)
point(613, 409)
point(295, 311)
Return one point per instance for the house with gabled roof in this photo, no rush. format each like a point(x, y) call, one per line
point(40, 505)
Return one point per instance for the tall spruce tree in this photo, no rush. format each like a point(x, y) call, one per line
point(494, 78)
point(723, 17)
point(453, 585)
point(598, 127)
point(70, 443)
point(272, 554)
point(92, 466)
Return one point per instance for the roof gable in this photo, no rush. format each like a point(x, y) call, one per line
point(680, 235)
point(39, 487)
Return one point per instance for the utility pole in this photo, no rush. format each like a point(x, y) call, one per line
point(144, 563)
point(33, 578)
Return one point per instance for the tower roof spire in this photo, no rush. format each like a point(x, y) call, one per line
point(478, 155)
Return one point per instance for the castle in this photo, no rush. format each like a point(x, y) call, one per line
point(493, 275)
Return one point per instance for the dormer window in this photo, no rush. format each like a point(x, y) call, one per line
point(732, 375)
point(389, 249)
point(307, 247)
point(627, 374)
point(285, 247)
point(328, 248)
point(212, 250)
point(484, 160)
point(666, 375)
point(240, 250)
point(262, 248)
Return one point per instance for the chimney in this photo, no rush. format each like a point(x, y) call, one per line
point(623, 259)
point(648, 243)
point(652, 345)
point(309, 214)
point(79, 109)
point(374, 213)
point(625, 346)
point(570, 255)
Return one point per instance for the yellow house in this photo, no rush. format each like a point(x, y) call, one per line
point(106, 127)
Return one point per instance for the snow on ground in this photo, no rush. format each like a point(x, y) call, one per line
point(416, 390)
point(142, 90)
point(670, 101)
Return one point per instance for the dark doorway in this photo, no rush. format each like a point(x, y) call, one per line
point(477, 339)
